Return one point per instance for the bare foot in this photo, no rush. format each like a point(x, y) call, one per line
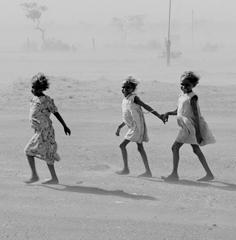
point(51, 181)
point(32, 179)
point(207, 178)
point(171, 178)
point(146, 174)
point(125, 171)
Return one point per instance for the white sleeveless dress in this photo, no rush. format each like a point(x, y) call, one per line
point(133, 117)
point(185, 119)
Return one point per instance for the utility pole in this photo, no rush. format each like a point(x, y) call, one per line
point(192, 28)
point(168, 42)
point(93, 44)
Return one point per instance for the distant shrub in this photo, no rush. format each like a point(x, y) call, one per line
point(56, 45)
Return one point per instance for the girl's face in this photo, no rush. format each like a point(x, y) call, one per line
point(127, 90)
point(36, 91)
point(186, 86)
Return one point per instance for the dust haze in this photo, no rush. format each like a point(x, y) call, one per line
point(116, 38)
point(87, 48)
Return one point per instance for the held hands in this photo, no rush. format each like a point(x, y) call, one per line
point(67, 130)
point(164, 117)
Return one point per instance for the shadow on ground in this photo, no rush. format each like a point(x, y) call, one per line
point(222, 185)
point(98, 191)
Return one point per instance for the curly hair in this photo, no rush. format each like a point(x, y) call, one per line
point(40, 81)
point(191, 77)
point(130, 82)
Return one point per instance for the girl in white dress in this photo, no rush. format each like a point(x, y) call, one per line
point(43, 145)
point(133, 118)
point(193, 128)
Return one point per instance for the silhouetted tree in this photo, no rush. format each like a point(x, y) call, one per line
point(121, 25)
point(136, 22)
point(128, 24)
point(34, 12)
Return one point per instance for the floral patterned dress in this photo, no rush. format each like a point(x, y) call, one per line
point(42, 145)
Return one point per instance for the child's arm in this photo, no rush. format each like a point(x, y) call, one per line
point(60, 119)
point(171, 113)
point(193, 102)
point(119, 128)
point(167, 114)
point(148, 108)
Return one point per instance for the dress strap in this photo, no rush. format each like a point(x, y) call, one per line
point(131, 97)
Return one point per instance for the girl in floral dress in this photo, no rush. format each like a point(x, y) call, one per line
point(133, 118)
point(43, 145)
point(193, 128)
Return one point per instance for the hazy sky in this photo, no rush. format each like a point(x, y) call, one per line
point(62, 19)
point(65, 15)
point(68, 11)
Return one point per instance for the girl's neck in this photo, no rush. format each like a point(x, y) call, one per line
point(132, 93)
point(40, 95)
point(188, 92)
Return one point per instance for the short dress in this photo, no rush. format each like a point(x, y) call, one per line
point(185, 120)
point(133, 117)
point(42, 145)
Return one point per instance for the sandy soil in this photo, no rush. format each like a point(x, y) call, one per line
point(91, 201)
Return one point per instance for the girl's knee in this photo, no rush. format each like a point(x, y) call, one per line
point(174, 148)
point(122, 146)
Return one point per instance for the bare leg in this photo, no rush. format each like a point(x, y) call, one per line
point(145, 161)
point(209, 176)
point(34, 175)
point(175, 151)
point(124, 153)
point(54, 179)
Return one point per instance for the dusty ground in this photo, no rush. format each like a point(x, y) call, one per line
point(91, 201)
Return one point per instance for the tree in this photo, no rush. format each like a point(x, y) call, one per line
point(34, 12)
point(136, 22)
point(128, 24)
point(121, 25)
